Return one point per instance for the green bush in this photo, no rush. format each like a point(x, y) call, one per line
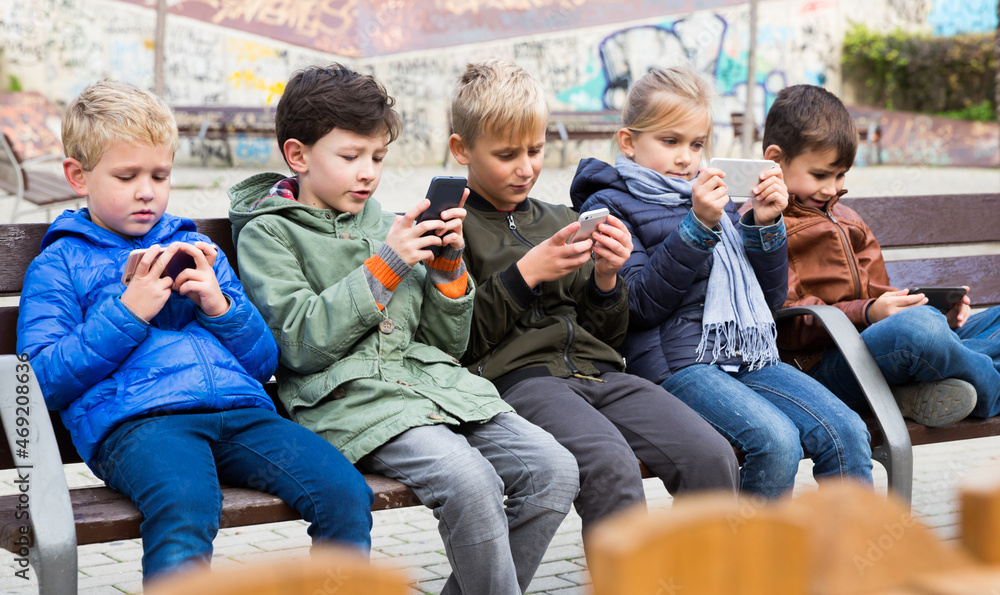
point(917, 72)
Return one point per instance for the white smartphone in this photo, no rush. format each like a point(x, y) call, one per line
point(588, 224)
point(741, 174)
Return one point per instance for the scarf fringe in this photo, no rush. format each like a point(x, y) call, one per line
point(755, 345)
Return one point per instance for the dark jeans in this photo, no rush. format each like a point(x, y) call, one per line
point(607, 425)
point(170, 466)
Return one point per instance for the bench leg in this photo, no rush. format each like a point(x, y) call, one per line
point(898, 463)
point(22, 407)
point(56, 567)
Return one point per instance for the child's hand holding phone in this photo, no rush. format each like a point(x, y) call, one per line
point(770, 197)
point(151, 274)
point(612, 247)
point(760, 181)
point(709, 196)
point(148, 289)
point(199, 284)
point(447, 195)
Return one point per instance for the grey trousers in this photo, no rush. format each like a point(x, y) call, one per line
point(463, 473)
point(607, 425)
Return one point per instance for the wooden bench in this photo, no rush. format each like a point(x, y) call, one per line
point(927, 240)
point(60, 518)
point(28, 142)
point(220, 123)
point(581, 126)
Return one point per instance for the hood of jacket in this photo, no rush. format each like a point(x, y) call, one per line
point(249, 199)
point(592, 176)
point(79, 223)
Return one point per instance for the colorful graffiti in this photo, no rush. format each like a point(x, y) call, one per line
point(963, 16)
point(358, 28)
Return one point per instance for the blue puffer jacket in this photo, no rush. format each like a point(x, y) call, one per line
point(99, 365)
point(667, 273)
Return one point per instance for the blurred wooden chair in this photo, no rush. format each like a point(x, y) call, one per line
point(842, 539)
point(327, 570)
point(705, 545)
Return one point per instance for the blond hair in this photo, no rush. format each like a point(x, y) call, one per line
point(498, 98)
point(666, 97)
point(107, 112)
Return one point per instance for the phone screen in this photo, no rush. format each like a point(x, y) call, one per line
point(942, 298)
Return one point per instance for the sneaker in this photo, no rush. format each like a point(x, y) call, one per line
point(936, 403)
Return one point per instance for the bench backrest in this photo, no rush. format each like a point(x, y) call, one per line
point(943, 240)
point(225, 120)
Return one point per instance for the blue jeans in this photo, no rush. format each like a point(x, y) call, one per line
point(916, 345)
point(774, 415)
point(170, 466)
point(462, 473)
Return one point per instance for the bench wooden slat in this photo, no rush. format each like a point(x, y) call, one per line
point(980, 273)
point(104, 515)
point(920, 220)
point(19, 245)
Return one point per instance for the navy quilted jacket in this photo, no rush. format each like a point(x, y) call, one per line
point(99, 365)
point(667, 276)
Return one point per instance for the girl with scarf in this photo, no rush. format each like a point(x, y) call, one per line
point(702, 283)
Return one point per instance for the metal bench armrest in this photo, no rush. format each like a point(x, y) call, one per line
point(896, 452)
point(36, 454)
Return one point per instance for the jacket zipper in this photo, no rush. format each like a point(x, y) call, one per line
point(845, 242)
point(570, 331)
point(204, 362)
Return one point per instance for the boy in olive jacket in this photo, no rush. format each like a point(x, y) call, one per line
point(370, 324)
point(547, 316)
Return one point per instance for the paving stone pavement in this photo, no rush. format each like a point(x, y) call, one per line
point(407, 538)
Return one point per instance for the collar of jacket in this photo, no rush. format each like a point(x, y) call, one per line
point(476, 201)
point(796, 201)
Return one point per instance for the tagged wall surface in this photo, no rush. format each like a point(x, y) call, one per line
point(585, 53)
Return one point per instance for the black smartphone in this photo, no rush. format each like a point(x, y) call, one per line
point(942, 298)
point(444, 192)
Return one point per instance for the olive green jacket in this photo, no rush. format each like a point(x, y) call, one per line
point(559, 328)
point(355, 375)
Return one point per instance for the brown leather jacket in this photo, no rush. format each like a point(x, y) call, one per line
point(833, 259)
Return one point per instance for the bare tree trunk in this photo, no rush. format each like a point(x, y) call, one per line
point(749, 128)
point(159, 85)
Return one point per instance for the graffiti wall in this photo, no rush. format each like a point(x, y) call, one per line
point(240, 52)
point(365, 29)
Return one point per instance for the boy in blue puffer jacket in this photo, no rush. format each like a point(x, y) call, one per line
point(159, 381)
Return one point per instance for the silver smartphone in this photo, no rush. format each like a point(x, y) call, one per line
point(588, 225)
point(742, 175)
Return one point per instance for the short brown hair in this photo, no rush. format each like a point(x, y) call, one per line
point(318, 99)
point(109, 111)
point(809, 118)
point(499, 98)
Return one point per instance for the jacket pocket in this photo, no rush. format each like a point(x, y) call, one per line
point(426, 354)
point(329, 384)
